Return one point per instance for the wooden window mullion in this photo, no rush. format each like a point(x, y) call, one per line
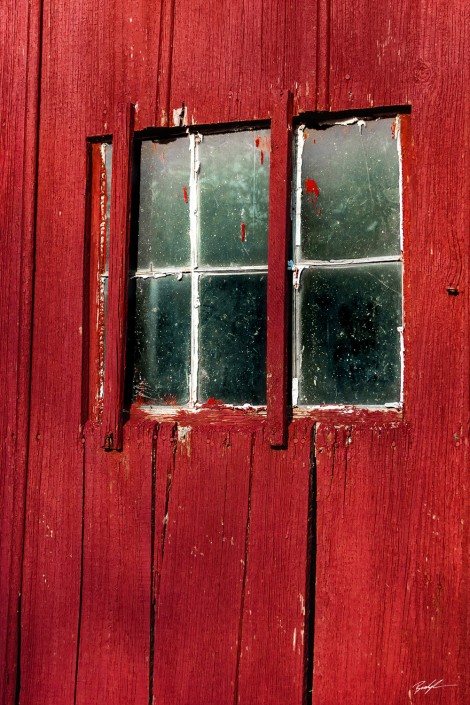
point(278, 289)
point(116, 330)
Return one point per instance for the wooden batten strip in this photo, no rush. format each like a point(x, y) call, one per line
point(116, 328)
point(278, 242)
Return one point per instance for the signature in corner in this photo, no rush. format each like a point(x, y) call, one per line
point(426, 687)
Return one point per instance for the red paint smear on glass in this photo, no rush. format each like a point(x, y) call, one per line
point(242, 237)
point(185, 194)
point(257, 142)
point(262, 157)
point(311, 187)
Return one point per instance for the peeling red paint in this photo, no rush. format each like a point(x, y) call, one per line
point(393, 128)
point(311, 187)
point(243, 235)
point(185, 194)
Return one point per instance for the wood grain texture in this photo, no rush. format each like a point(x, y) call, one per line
point(19, 73)
point(119, 240)
point(274, 630)
point(389, 567)
point(392, 564)
point(201, 565)
point(114, 638)
point(229, 56)
point(94, 57)
point(277, 375)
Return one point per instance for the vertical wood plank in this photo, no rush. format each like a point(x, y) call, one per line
point(19, 116)
point(229, 56)
point(116, 323)
point(280, 184)
point(114, 645)
point(202, 559)
point(323, 54)
point(165, 63)
point(391, 547)
point(93, 57)
point(273, 647)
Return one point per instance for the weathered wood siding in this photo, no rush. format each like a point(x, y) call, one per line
point(182, 569)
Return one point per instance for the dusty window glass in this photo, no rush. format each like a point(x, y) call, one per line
point(347, 268)
point(200, 265)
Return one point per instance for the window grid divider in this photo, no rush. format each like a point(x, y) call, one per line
point(194, 140)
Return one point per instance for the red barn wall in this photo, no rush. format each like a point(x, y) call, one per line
point(179, 569)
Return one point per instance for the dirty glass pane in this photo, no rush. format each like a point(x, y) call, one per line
point(162, 344)
point(234, 194)
point(164, 204)
point(349, 343)
point(232, 338)
point(350, 191)
point(108, 163)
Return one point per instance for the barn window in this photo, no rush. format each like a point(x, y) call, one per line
point(198, 261)
point(199, 269)
point(346, 262)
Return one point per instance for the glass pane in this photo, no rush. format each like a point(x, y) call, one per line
point(234, 194)
point(162, 347)
point(350, 191)
point(349, 342)
point(164, 204)
point(232, 338)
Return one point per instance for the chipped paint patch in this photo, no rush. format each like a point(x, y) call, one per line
point(180, 116)
point(183, 433)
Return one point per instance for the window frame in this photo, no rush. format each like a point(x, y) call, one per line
point(279, 409)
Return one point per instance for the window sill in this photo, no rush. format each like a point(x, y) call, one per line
point(246, 414)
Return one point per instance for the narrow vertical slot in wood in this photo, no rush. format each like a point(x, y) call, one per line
point(116, 329)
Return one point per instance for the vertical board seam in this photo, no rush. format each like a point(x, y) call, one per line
point(245, 573)
point(25, 342)
point(323, 54)
point(310, 581)
point(82, 563)
point(154, 432)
